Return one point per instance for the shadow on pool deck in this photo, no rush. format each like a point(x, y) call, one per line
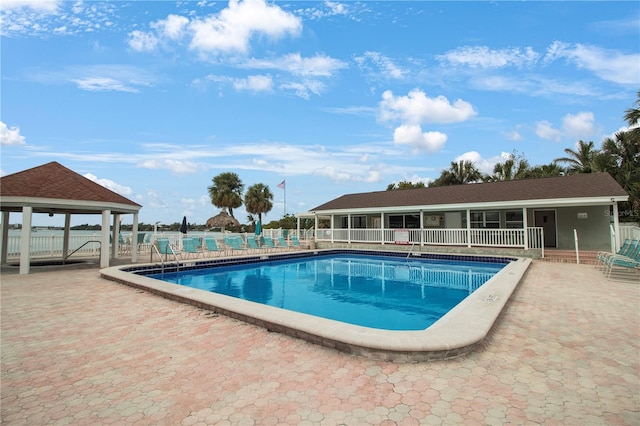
point(79, 349)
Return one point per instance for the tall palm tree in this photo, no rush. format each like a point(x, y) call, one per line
point(632, 115)
point(458, 173)
point(581, 160)
point(226, 191)
point(622, 155)
point(258, 200)
point(546, 170)
point(514, 167)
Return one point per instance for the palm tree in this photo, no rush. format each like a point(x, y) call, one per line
point(226, 191)
point(514, 167)
point(458, 173)
point(405, 185)
point(632, 115)
point(582, 160)
point(258, 200)
point(622, 156)
point(546, 170)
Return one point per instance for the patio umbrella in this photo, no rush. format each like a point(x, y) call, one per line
point(183, 227)
point(221, 220)
point(258, 228)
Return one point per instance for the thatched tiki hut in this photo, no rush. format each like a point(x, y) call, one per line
point(222, 220)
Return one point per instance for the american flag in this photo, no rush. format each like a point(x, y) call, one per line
point(281, 185)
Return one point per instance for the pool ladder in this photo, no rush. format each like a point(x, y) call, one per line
point(411, 249)
point(154, 247)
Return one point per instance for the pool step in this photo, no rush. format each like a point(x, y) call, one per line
point(569, 256)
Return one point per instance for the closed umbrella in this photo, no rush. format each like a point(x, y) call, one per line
point(258, 228)
point(183, 227)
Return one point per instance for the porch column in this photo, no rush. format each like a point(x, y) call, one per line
point(298, 226)
point(25, 240)
point(104, 237)
point(332, 228)
point(616, 228)
point(134, 239)
point(526, 228)
point(421, 228)
point(65, 236)
point(115, 245)
point(4, 244)
point(382, 227)
point(349, 228)
point(468, 228)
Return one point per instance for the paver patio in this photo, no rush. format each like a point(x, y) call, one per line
point(77, 349)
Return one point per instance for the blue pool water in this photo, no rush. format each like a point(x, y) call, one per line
point(379, 292)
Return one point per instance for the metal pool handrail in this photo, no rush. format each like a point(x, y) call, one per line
point(90, 241)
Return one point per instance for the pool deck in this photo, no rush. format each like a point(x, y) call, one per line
point(78, 349)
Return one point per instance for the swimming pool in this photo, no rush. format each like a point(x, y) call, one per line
point(371, 291)
point(457, 332)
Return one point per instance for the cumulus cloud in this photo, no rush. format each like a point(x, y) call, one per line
point(379, 64)
point(417, 107)
point(575, 126)
point(142, 42)
point(610, 65)
point(10, 136)
point(485, 165)
point(176, 166)
point(109, 184)
point(486, 58)
point(413, 136)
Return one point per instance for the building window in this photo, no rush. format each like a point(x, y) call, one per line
point(396, 222)
point(412, 221)
point(483, 220)
point(513, 219)
point(357, 222)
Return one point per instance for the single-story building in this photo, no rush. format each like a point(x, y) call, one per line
point(526, 214)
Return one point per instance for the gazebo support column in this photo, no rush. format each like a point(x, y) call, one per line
point(25, 240)
point(4, 244)
point(104, 237)
point(67, 233)
point(134, 239)
point(115, 236)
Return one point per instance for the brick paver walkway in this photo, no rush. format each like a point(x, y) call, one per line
point(77, 349)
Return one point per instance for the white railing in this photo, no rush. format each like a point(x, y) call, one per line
point(450, 237)
point(631, 232)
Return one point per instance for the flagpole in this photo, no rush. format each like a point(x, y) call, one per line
point(283, 185)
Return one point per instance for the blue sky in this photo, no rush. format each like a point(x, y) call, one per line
point(152, 99)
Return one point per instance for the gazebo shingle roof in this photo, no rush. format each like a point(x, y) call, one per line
point(54, 181)
point(572, 186)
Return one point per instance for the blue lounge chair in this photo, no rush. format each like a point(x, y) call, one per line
point(164, 247)
point(282, 242)
point(627, 248)
point(295, 242)
point(253, 245)
point(191, 248)
point(269, 243)
point(629, 263)
point(234, 243)
point(211, 246)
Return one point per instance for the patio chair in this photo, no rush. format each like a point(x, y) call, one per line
point(234, 243)
point(627, 248)
point(191, 248)
point(630, 263)
point(253, 245)
point(143, 241)
point(296, 242)
point(164, 247)
point(211, 246)
point(282, 242)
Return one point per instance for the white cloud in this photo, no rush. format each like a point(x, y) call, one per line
point(173, 27)
point(43, 6)
point(580, 125)
point(142, 42)
point(103, 84)
point(417, 107)
point(254, 83)
point(176, 166)
point(545, 130)
point(294, 63)
point(10, 136)
point(608, 64)
point(413, 136)
point(486, 58)
point(380, 65)
point(485, 165)
point(231, 30)
point(574, 126)
point(109, 184)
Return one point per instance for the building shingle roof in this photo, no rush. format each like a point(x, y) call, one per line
point(584, 185)
point(54, 181)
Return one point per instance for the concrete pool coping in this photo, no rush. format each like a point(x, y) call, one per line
point(456, 333)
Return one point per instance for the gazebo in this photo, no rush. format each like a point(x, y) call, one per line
point(54, 189)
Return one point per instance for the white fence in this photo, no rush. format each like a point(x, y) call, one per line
point(631, 232)
point(449, 237)
point(49, 244)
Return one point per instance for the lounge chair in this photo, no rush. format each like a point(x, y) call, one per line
point(629, 263)
point(253, 245)
point(143, 241)
point(211, 246)
point(282, 242)
point(627, 248)
point(164, 247)
point(234, 243)
point(268, 241)
point(190, 247)
point(296, 243)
